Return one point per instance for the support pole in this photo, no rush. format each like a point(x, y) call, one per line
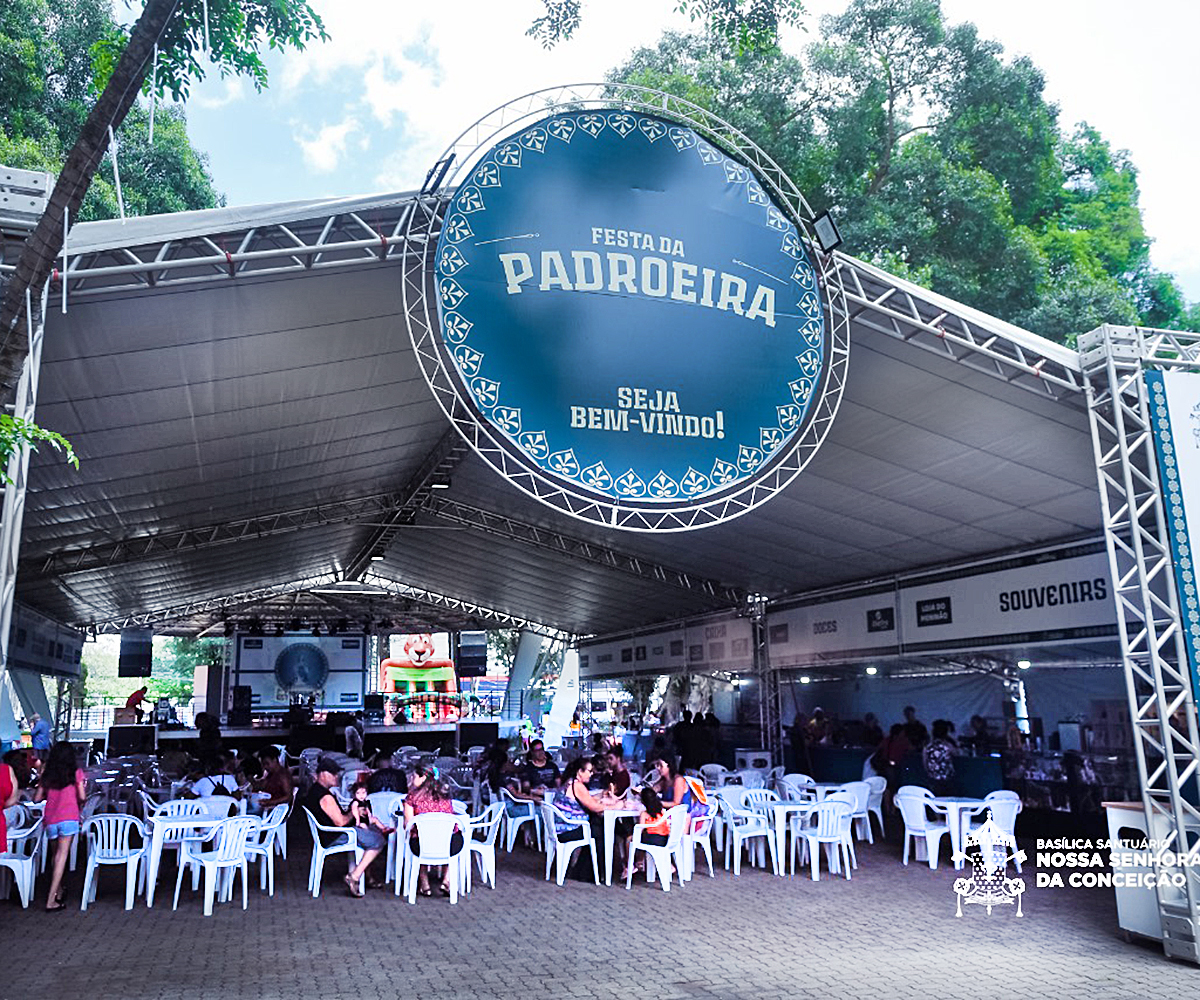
point(13, 511)
point(1158, 679)
point(769, 713)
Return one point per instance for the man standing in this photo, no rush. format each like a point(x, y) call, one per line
point(320, 802)
point(39, 732)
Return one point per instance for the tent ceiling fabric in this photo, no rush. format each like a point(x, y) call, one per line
point(196, 405)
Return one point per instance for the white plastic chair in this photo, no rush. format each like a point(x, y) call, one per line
point(861, 791)
point(797, 787)
point(735, 796)
point(919, 791)
point(742, 825)
point(878, 786)
point(20, 858)
point(281, 838)
point(263, 846)
point(773, 776)
point(517, 812)
point(831, 827)
point(699, 834)
point(108, 844)
point(752, 778)
point(714, 775)
point(661, 856)
point(558, 852)
point(321, 852)
point(386, 806)
point(489, 825)
point(232, 844)
point(435, 832)
point(918, 827)
point(759, 799)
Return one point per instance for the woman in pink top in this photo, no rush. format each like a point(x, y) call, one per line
point(64, 787)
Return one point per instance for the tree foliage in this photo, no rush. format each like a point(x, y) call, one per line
point(743, 24)
point(942, 162)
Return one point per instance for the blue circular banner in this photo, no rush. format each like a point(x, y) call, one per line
point(628, 309)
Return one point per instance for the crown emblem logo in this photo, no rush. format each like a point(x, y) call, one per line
point(989, 884)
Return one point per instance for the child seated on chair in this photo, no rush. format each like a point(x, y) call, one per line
point(360, 811)
point(657, 827)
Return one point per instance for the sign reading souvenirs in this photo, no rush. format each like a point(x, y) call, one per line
point(628, 312)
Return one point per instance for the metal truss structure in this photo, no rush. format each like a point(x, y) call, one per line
point(328, 240)
point(500, 619)
point(907, 312)
point(1138, 532)
point(448, 509)
point(421, 314)
point(770, 706)
point(440, 462)
point(13, 509)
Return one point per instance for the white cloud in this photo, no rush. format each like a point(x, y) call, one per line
point(232, 89)
point(325, 150)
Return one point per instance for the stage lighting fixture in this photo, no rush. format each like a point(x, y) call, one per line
point(827, 232)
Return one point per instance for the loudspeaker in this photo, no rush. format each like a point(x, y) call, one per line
point(125, 740)
point(137, 652)
point(239, 711)
point(478, 734)
point(470, 656)
point(373, 707)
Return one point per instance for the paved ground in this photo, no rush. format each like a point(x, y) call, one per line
point(889, 933)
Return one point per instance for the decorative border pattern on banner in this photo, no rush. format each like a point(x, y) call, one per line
point(1181, 550)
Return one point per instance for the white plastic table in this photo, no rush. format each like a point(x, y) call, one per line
point(954, 806)
point(610, 834)
point(158, 834)
point(779, 814)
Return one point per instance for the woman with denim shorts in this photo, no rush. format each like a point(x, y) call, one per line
point(64, 787)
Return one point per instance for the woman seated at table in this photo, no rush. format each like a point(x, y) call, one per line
point(676, 790)
point(580, 806)
point(427, 794)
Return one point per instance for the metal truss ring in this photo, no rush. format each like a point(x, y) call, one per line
point(421, 315)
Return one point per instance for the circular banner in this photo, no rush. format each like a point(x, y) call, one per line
point(628, 312)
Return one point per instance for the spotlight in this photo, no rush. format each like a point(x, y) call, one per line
point(827, 232)
point(1023, 664)
point(377, 557)
point(439, 482)
point(872, 671)
point(806, 679)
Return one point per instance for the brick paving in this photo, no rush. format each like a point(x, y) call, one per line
point(891, 932)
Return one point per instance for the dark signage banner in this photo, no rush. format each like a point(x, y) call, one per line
point(628, 311)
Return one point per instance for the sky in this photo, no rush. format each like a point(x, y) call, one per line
point(372, 109)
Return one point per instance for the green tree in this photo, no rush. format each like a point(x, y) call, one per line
point(744, 24)
point(234, 31)
point(942, 162)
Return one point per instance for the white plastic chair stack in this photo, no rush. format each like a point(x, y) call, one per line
point(558, 852)
point(918, 827)
point(435, 832)
point(714, 775)
point(233, 841)
point(661, 856)
point(108, 837)
point(321, 852)
point(20, 858)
